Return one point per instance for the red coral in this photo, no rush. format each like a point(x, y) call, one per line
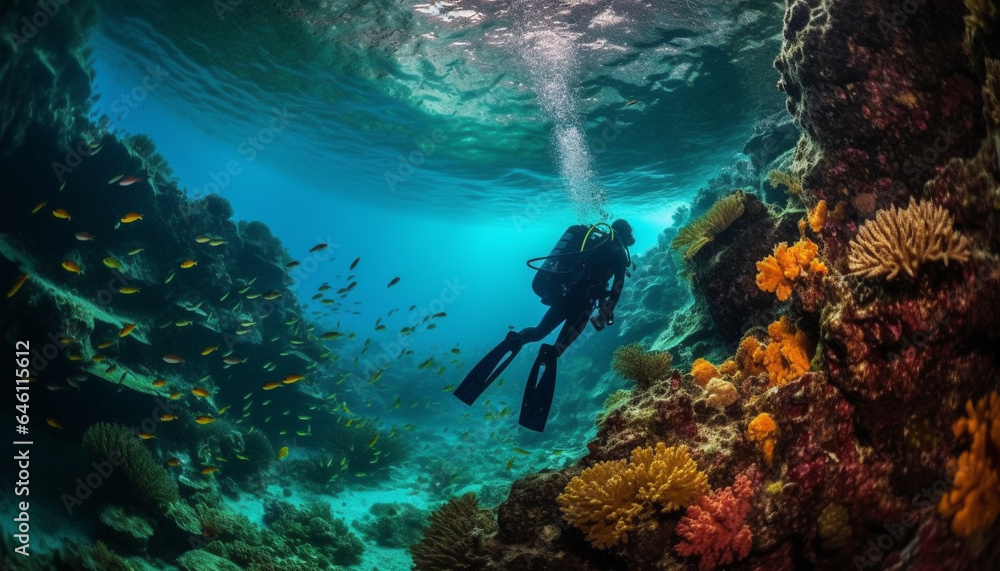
point(714, 527)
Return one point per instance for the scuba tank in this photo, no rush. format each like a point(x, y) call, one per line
point(565, 263)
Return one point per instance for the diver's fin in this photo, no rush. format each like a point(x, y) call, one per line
point(538, 392)
point(488, 369)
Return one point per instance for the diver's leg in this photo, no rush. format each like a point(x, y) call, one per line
point(555, 315)
point(538, 392)
point(574, 326)
point(489, 368)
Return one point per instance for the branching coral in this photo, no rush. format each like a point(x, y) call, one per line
point(149, 482)
point(455, 539)
point(702, 230)
point(762, 431)
point(703, 372)
point(779, 271)
point(902, 239)
point(974, 500)
point(714, 528)
point(609, 499)
point(643, 367)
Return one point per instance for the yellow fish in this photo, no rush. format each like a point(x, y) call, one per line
point(128, 290)
point(168, 417)
point(209, 350)
point(38, 207)
point(53, 423)
point(202, 239)
point(146, 436)
point(208, 470)
point(112, 263)
point(129, 327)
point(71, 266)
point(173, 462)
point(204, 419)
point(136, 251)
point(183, 323)
point(271, 386)
point(17, 285)
point(175, 395)
point(216, 242)
point(60, 213)
point(373, 441)
point(159, 383)
point(200, 392)
point(188, 264)
point(131, 217)
point(224, 409)
point(282, 452)
point(289, 379)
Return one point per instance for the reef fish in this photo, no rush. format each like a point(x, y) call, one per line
point(128, 181)
point(318, 247)
point(38, 207)
point(128, 290)
point(209, 350)
point(289, 379)
point(112, 263)
point(393, 282)
point(131, 217)
point(127, 330)
point(282, 452)
point(146, 435)
point(174, 359)
point(17, 285)
point(208, 470)
point(354, 264)
point(159, 383)
point(84, 236)
point(61, 213)
point(204, 419)
point(271, 386)
point(168, 417)
point(53, 423)
point(188, 264)
point(71, 266)
point(200, 392)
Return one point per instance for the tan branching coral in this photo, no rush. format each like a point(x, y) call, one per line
point(702, 230)
point(792, 183)
point(974, 500)
point(609, 499)
point(902, 239)
point(643, 367)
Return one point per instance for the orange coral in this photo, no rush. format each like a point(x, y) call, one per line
point(787, 355)
point(974, 500)
point(817, 216)
point(703, 371)
point(778, 272)
point(729, 367)
point(748, 364)
point(761, 430)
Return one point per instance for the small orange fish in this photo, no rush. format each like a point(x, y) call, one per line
point(292, 379)
point(104, 344)
point(204, 419)
point(170, 358)
point(282, 452)
point(128, 290)
point(173, 462)
point(70, 266)
point(208, 470)
point(146, 436)
point(38, 207)
point(53, 423)
point(271, 386)
point(209, 350)
point(159, 383)
point(188, 264)
point(131, 217)
point(61, 213)
point(200, 392)
point(168, 417)
point(17, 285)
point(175, 395)
point(129, 327)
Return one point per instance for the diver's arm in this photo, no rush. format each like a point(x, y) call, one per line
point(609, 303)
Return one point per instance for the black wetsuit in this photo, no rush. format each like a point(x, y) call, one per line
point(574, 307)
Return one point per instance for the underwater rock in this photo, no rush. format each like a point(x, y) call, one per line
point(771, 138)
point(724, 275)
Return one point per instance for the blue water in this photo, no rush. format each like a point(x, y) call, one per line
point(444, 144)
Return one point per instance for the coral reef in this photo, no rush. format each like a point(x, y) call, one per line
point(792, 184)
point(456, 537)
point(779, 271)
point(643, 367)
point(721, 393)
point(902, 240)
point(714, 528)
point(149, 482)
point(703, 371)
point(973, 503)
point(701, 231)
point(609, 499)
point(393, 525)
point(761, 430)
point(313, 534)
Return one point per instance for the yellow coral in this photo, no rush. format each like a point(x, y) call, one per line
point(746, 357)
point(609, 499)
point(974, 500)
point(761, 430)
point(817, 216)
point(778, 272)
point(703, 371)
point(702, 230)
point(729, 367)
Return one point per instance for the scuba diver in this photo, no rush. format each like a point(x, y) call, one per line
point(572, 281)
